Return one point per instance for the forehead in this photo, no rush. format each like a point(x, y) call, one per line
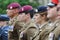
point(36, 14)
point(2, 21)
point(9, 9)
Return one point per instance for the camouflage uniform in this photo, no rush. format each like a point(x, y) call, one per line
point(16, 29)
point(14, 23)
point(44, 35)
point(48, 33)
point(41, 28)
point(56, 31)
point(30, 31)
point(27, 10)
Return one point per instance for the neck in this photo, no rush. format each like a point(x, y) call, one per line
point(42, 22)
point(53, 19)
point(14, 16)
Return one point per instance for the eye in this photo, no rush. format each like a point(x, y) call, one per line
point(36, 15)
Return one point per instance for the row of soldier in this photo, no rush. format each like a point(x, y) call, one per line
point(27, 23)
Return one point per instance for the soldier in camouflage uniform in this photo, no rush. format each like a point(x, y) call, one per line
point(14, 23)
point(41, 20)
point(56, 31)
point(27, 13)
point(47, 33)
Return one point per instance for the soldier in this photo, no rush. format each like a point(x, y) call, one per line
point(56, 31)
point(27, 13)
point(14, 23)
point(41, 19)
point(4, 28)
point(47, 33)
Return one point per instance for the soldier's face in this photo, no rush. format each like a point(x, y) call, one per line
point(2, 23)
point(22, 16)
point(9, 12)
point(52, 12)
point(37, 18)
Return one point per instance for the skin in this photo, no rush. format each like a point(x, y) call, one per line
point(24, 17)
point(2, 23)
point(58, 6)
point(39, 19)
point(52, 12)
point(12, 12)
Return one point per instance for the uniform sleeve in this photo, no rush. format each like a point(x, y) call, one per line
point(57, 32)
point(19, 26)
point(59, 37)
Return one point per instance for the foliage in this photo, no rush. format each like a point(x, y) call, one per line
point(5, 3)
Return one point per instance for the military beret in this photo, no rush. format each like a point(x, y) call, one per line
point(26, 8)
point(13, 5)
point(41, 9)
point(51, 4)
point(3, 18)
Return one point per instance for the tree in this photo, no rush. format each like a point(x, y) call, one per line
point(5, 3)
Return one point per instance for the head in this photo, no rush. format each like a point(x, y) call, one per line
point(52, 12)
point(51, 5)
point(3, 20)
point(26, 12)
point(41, 14)
point(13, 9)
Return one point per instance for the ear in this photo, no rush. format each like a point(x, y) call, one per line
point(43, 16)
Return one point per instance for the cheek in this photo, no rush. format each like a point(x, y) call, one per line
point(49, 15)
point(37, 18)
point(34, 17)
point(9, 13)
point(23, 17)
point(1, 23)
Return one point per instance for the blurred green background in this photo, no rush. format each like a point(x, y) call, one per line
point(4, 4)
